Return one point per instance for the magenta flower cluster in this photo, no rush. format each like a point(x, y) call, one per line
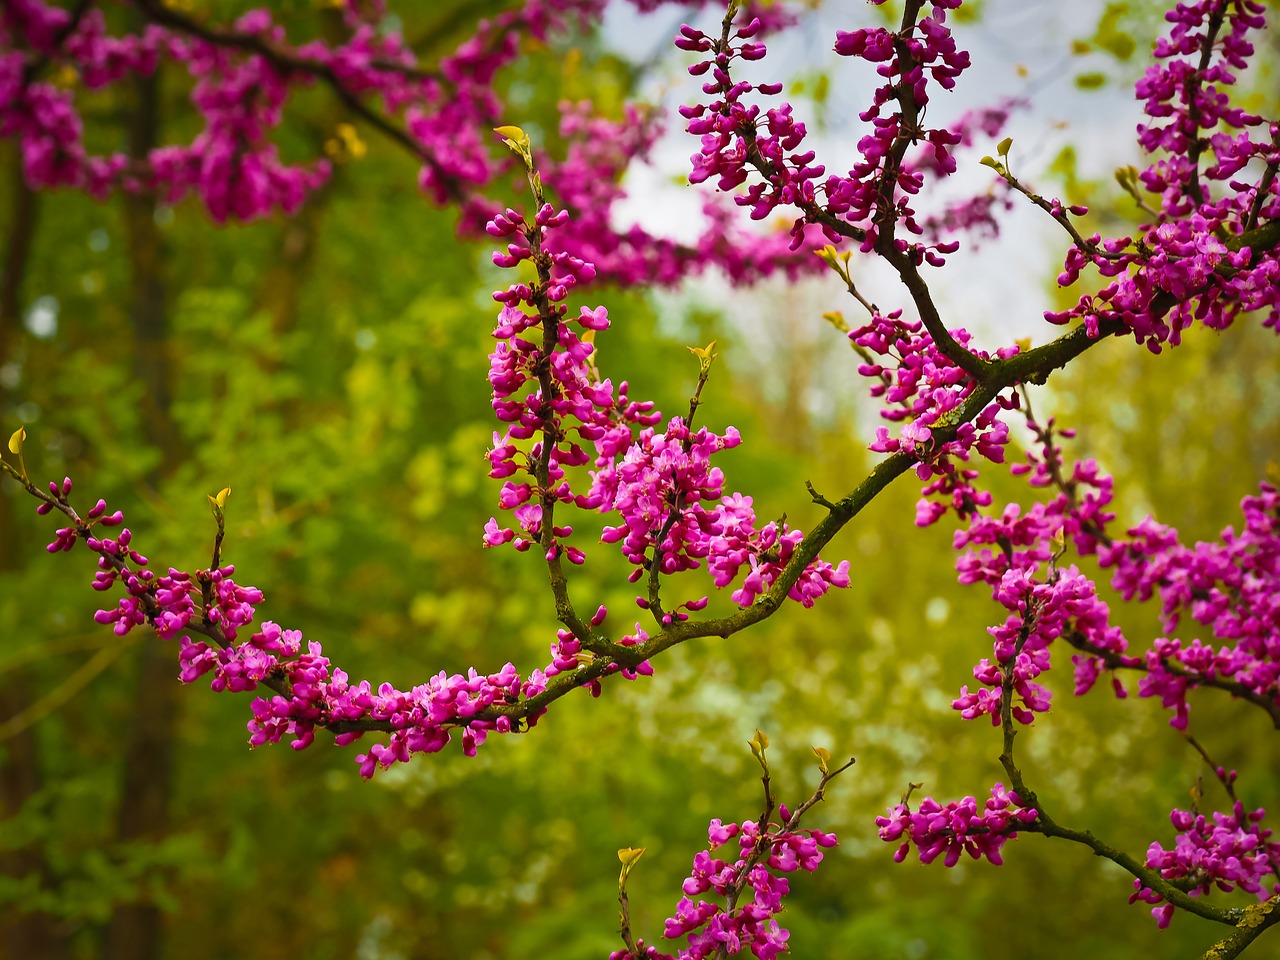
point(1016, 556)
point(659, 489)
point(1223, 851)
point(662, 485)
point(751, 925)
point(957, 828)
point(976, 216)
point(571, 439)
point(245, 74)
point(310, 693)
point(1230, 588)
point(924, 389)
point(521, 398)
point(736, 140)
point(1194, 262)
point(588, 181)
point(736, 543)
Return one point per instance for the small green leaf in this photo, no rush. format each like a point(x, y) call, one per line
point(824, 756)
point(758, 744)
point(515, 139)
point(1091, 81)
point(15, 441)
point(993, 163)
point(217, 503)
point(1003, 146)
point(705, 355)
point(629, 856)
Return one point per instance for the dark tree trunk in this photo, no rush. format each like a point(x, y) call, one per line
point(134, 931)
point(23, 936)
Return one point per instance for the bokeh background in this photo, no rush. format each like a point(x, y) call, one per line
point(330, 368)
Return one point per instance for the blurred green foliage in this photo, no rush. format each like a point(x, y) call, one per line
point(331, 370)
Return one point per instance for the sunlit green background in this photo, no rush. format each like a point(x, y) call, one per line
point(331, 370)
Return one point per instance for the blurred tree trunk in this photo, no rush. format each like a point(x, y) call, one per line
point(134, 931)
point(23, 936)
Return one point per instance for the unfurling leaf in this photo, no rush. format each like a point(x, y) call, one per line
point(823, 755)
point(839, 262)
point(705, 355)
point(516, 140)
point(15, 447)
point(759, 744)
point(827, 253)
point(1003, 146)
point(218, 502)
point(629, 856)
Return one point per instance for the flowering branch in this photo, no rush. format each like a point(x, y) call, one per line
point(1115, 661)
point(573, 440)
point(287, 62)
point(766, 849)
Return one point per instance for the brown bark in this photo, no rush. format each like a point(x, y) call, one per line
point(23, 936)
point(29, 936)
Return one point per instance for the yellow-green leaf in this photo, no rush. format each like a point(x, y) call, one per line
point(823, 755)
point(216, 503)
point(1003, 146)
point(511, 133)
point(15, 441)
point(629, 856)
point(515, 138)
point(758, 744)
point(704, 353)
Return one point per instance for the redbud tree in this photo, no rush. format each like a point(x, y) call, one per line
point(568, 442)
